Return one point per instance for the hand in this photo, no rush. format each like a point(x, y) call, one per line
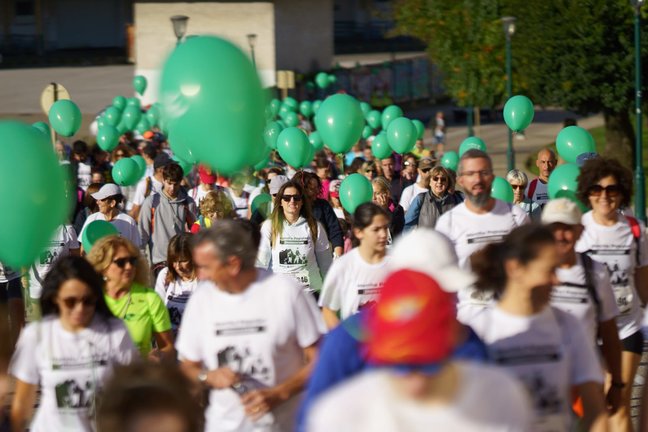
point(258, 402)
point(155, 355)
point(613, 399)
point(222, 378)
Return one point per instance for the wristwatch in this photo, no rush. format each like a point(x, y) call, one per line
point(202, 376)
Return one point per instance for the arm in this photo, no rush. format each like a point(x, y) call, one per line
point(165, 349)
point(398, 221)
point(330, 317)
point(22, 405)
point(265, 249)
point(413, 212)
point(333, 229)
point(611, 351)
point(145, 223)
point(322, 251)
point(135, 211)
point(220, 378)
point(595, 418)
point(641, 283)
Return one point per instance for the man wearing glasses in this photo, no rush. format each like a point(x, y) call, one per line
point(478, 221)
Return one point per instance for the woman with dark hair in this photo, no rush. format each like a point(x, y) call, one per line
point(355, 278)
point(544, 347)
point(89, 207)
point(177, 281)
point(383, 197)
point(293, 242)
point(619, 242)
point(69, 353)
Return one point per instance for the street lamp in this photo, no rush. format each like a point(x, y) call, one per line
point(179, 26)
point(252, 42)
point(508, 23)
point(640, 189)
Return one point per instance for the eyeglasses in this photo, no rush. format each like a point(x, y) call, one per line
point(370, 171)
point(516, 187)
point(610, 190)
point(287, 198)
point(425, 170)
point(121, 262)
point(481, 173)
point(71, 302)
point(440, 179)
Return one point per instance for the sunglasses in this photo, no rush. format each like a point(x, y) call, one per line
point(425, 170)
point(71, 302)
point(121, 262)
point(516, 187)
point(610, 190)
point(440, 179)
point(287, 198)
point(370, 171)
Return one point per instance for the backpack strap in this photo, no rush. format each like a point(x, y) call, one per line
point(149, 186)
point(154, 204)
point(588, 266)
point(636, 233)
point(532, 188)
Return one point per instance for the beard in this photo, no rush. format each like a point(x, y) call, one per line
point(479, 200)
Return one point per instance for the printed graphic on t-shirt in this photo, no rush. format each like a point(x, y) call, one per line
point(48, 256)
point(72, 395)
point(240, 356)
point(617, 261)
point(176, 304)
point(486, 237)
point(572, 293)
point(368, 293)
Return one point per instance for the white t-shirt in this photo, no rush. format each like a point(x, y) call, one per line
point(84, 175)
point(125, 224)
point(469, 232)
point(409, 194)
point(63, 240)
point(339, 212)
point(140, 190)
point(198, 193)
point(573, 296)
point(616, 247)
point(294, 252)
point(69, 367)
point(240, 202)
point(352, 282)
point(548, 352)
point(540, 194)
point(8, 273)
point(175, 296)
point(370, 402)
point(260, 334)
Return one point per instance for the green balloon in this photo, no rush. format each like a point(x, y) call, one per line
point(125, 172)
point(355, 190)
point(573, 141)
point(121, 127)
point(294, 148)
point(367, 131)
point(518, 113)
point(133, 102)
point(380, 147)
point(322, 80)
point(291, 103)
point(108, 137)
point(472, 142)
point(43, 127)
point(186, 166)
point(316, 106)
point(306, 109)
point(571, 195)
point(143, 125)
point(119, 102)
point(152, 115)
point(420, 128)
point(96, 230)
point(131, 117)
point(213, 103)
point(291, 119)
point(365, 107)
point(271, 133)
point(450, 160)
point(262, 163)
point(284, 110)
point(181, 150)
point(316, 141)
point(502, 190)
point(340, 122)
point(65, 117)
point(139, 84)
point(33, 187)
point(563, 178)
point(275, 104)
point(373, 119)
point(113, 115)
point(261, 203)
point(332, 79)
point(390, 113)
point(101, 122)
point(401, 135)
point(141, 163)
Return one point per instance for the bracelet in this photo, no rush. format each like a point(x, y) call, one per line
point(618, 385)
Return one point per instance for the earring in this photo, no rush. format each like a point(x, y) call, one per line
point(105, 278)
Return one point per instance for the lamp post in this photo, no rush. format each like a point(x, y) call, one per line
point(252, 42)
point(179, 26)
point(509, 29)
point(640, 190)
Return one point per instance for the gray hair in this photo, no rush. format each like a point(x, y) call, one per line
point(238, 237)
point(515, 175)
point(473, 154)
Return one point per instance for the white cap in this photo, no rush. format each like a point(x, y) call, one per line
point(561, 210)
point(107, 190)
point(428, 251)
point(276, 182)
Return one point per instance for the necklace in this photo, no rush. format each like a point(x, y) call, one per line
point(122, 313)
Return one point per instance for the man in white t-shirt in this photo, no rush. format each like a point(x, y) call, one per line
point(248, 335)
point(422, 184)
point(476, 222)
point(149, 184)
point(537, 188)
point(585, 290)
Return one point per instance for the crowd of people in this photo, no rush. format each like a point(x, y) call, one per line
point(210, 311)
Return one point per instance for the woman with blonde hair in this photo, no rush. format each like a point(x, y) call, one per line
point(215, 205)
point(383, 197)
point(126, 292)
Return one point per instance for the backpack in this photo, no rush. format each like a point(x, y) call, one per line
point(532, 188)
point(636, 233)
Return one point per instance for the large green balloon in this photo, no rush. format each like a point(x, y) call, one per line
point(43, 127)
point(502, 190)
point(96, 230)
point(518, 113)
point(139, 84)
point(271, 133)
point(213, 103)
point(573, 141)
point(186, 166)
point(108, 137)
point(294, 148)
point(306, 109)
point(113, 115)
point(65, 117)
point(340, 122)
point(131, 117)
point(291, 119)
point(316, 141)
point(33, 188)
point(450, 160)
point(563, 178)
point(182, 150)
point(380, 147)
point(472, 142)
point(141, 164)
point(401, 135)
point(119, 102)
point(355, 190)
point(261, 203)
point(390, 113)
point(420, 128)
point(322, 80)
point(125, 172)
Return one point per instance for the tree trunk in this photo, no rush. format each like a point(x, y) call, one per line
point(619, 137)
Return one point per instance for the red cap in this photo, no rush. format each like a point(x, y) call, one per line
point(206, 175)
point(414, 322)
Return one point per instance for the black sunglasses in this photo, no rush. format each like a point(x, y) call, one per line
point(610, 190)
point(515, 187)
point(425, 170)
point(440, 179)
point(121, 262)
point(71, 302)
point(287, 198)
